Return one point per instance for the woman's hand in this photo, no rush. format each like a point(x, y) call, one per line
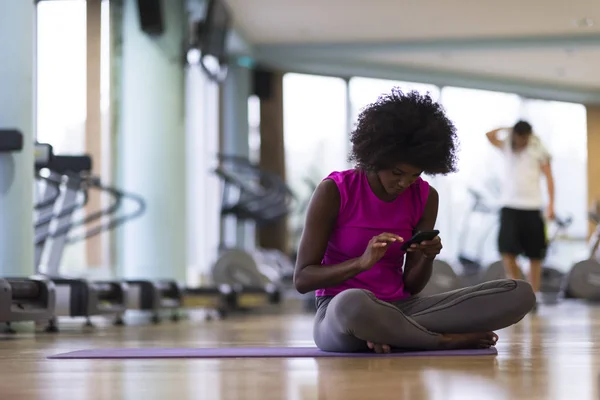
point(376, 249)
point(428, 248)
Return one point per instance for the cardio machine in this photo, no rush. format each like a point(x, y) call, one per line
point(22, 298)
point(473, 267)
point(82, 297)
point(443, 276)
point(583, 280)
point(251, 194)
point(75, 297)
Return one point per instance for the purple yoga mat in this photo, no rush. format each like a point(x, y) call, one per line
point(251, 352)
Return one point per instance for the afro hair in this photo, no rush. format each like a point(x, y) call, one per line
point(404, 128)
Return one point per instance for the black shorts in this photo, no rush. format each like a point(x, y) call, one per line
point(522, 232)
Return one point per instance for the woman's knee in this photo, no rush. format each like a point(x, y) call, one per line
point(351, 308)
point(522, 297)
point(524, 292)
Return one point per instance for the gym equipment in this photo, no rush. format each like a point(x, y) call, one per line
point(494, 272)
point(443, 276)
point(583, 280)
point(252, 352)
point(144, 295)
point(11, 141)
point(23, 299)
point(75, 297)
point(154, 296)
point(472, 267)
point(222, 299)
point(300, 214)
point(551, 280)
point(250, 194)
point(443, 279)
point(308, 299)
point(26, 299)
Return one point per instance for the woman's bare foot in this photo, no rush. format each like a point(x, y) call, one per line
point(379, 348)
point(479, 340)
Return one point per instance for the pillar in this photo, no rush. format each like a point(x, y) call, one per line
point(593, 161)
point(17, 77)
point(93, 123)
point(234, 141)
point(113, 119)
point(272, 151)
point(203, 186)
point(151, 144)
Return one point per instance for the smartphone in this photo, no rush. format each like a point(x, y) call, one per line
point(420, 237)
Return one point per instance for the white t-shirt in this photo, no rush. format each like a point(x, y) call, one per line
point(521, 185)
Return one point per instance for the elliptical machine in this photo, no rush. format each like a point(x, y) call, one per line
point(80, 297)
point(472, 268)
point(75, 297)
point(552, 280)
point(251, 194)
point(583, 280)
point(444, 277)
point(23, 298)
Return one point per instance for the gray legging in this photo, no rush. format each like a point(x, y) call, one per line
point(345, 322)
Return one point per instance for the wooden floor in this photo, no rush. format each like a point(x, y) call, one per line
point(552, 355)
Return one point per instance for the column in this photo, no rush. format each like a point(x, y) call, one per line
point(203, 186)
point(114, 109)
point(93, 123)
point(151, 145)
point(17, 79)
point(234, 141)
point(272, 153)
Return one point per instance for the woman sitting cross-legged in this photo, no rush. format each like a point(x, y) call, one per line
point(350, 252)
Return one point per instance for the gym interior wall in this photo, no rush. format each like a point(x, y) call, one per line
point(17, 80)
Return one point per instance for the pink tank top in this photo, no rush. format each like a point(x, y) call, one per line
point(363, 215)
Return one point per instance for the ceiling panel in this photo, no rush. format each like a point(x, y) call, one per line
point(281, 21)
point(575, 67)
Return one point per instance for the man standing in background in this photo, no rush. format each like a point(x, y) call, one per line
point(522, 226)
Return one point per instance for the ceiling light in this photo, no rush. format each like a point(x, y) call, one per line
point(584, 23)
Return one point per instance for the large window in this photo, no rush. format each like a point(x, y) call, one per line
point(474, 112)
point(364, 91)
point(61, 90)
point(315, 135)
point(61, 74)
point(563, 129)
point(468, 214)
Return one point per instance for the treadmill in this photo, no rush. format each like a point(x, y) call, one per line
point(75, 297)
point(23, 299)
point(250, 193)
point(116, 296)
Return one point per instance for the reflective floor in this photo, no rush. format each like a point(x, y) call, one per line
point(552, 355)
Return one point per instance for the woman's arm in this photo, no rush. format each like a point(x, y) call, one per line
point(321, 216)
point(417, 270)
